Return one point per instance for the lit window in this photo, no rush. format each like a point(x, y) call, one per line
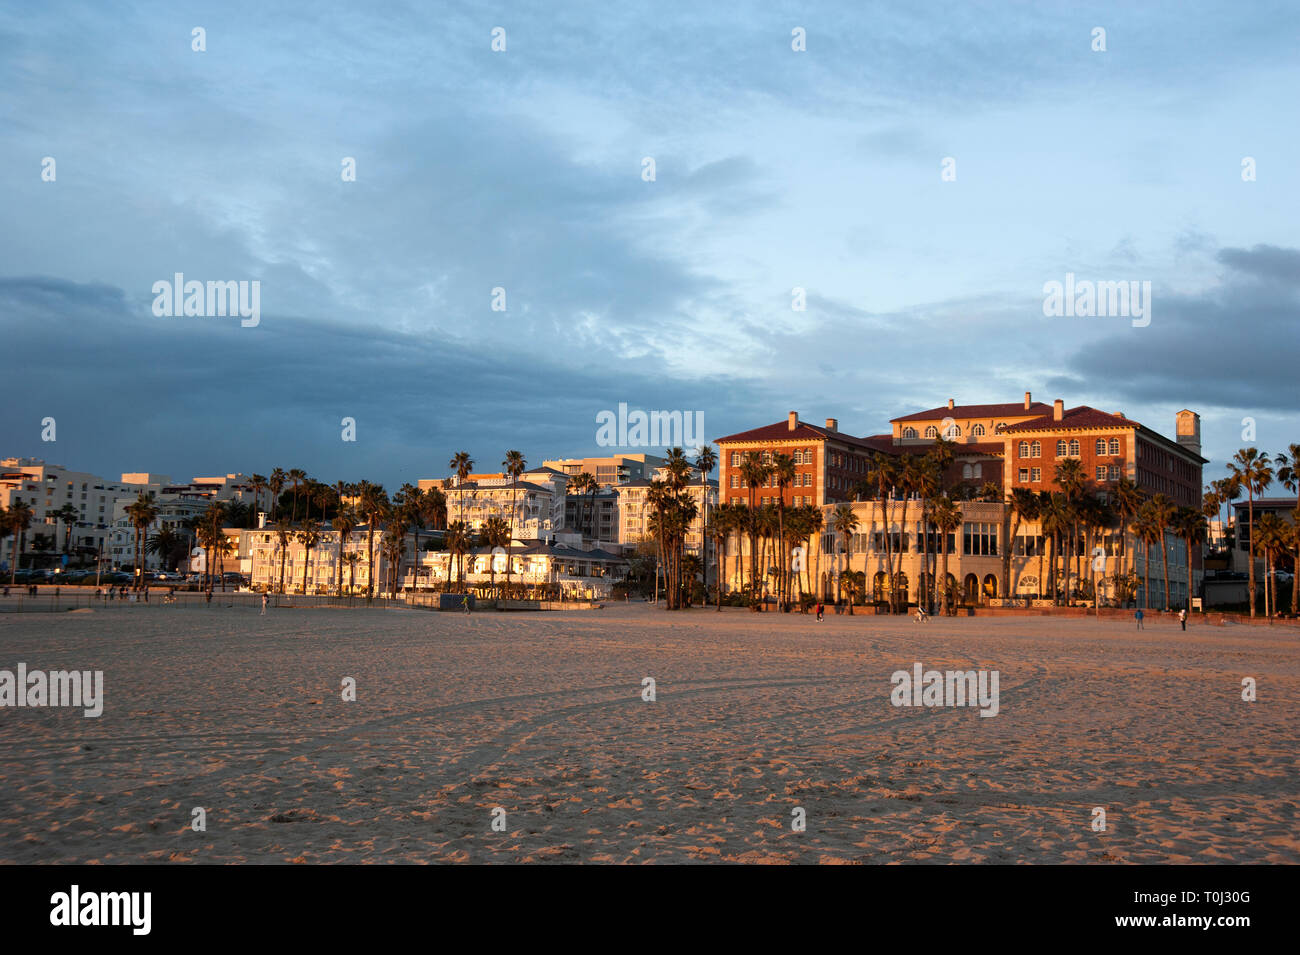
point(978, 430)
point(932, 432)
point(909, 432)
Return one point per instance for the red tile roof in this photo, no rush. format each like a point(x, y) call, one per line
point(1080, 417)
point(979, 411)
point(780, 431)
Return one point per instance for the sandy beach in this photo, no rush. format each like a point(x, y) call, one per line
point(542, 715)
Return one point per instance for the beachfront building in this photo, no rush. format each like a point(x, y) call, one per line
point(317, 571)
point(542, 568)
point(537, 499)
point(996, 448)
point(634, 514)
point(611, 470)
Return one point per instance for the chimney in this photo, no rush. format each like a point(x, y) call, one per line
point(1028, 400)
point(794, 420)
point(1058, 409)
point(950, 404)
point(832, 424)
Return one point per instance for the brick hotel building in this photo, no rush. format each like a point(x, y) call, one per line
point(1009, 445)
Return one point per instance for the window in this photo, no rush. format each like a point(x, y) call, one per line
point(1101, 471)
point(1101, 445)
point(932, 432)
point(1112, 472)
point(735, 459)
point(735, 480)
point(953, 431)
point(909, 432)
point(978, 430)
point(1024, 449)
point(966, 472)
point(1060, 449)
point(1074, 448)
point(807, 480)
point(978, 470)
point(1114, 445)
point(1037, 475)
point(1024, 475)
point(980, 540)
point(1037, 451)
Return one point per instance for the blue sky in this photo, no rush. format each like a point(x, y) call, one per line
point(522, 169)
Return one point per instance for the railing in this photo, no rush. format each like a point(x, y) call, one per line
point(70, 598)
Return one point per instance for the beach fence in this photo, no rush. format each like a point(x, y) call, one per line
point(67, 599)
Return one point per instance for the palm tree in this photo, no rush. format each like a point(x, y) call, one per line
point(67, 515)
point(580, 485)
point(1227, 489)
point(1162, 509)
point(496, 533)
point(946, 517)
point(19, 520)
point(410, 504)
point(514, 466)
point(374, 507)
point(275, 484)
point(1190, 525)
point(1149, 529)
point(1128, 498)
point(706, 459)
point(783, 474)
point(142, 514)
point(257, 484)
point(296, 478)
point(1288, 473)
point(165, 544)
point(1023, 503)
point(1054, 516)
point(753, 472)
point(345, 522)
point(1069, 478)
point(1251, 470)
point(724, 522)
point(844, 522)
point(283, 534)
point(457, 542)
point(309, 536)
point(1274, 538)
point(883, 472)
point(352, 558)
point(462, 464)
point(394, 544)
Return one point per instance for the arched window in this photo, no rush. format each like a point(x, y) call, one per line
point(1037, 450)
point(966, 472)
point(1101, 445)
point(978, 430)
point(952, 431)
point(1060, 449)
point(932, 432)
point(1024, 449)
point(909, 432)
point(977, 471)
point(1074, 448)
point(1114, 445)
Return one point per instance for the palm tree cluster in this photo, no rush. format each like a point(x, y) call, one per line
point(673, 510)
point(1276, 540)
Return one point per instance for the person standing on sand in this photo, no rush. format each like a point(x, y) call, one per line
point(1182, 617)
point(263, 613)
point(821, 610)
point(1138, 617)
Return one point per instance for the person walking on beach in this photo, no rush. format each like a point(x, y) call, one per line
point(820, 610)
point(1138, 617)
point(263, 613)
point(465, 603)
point(1182, 617)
